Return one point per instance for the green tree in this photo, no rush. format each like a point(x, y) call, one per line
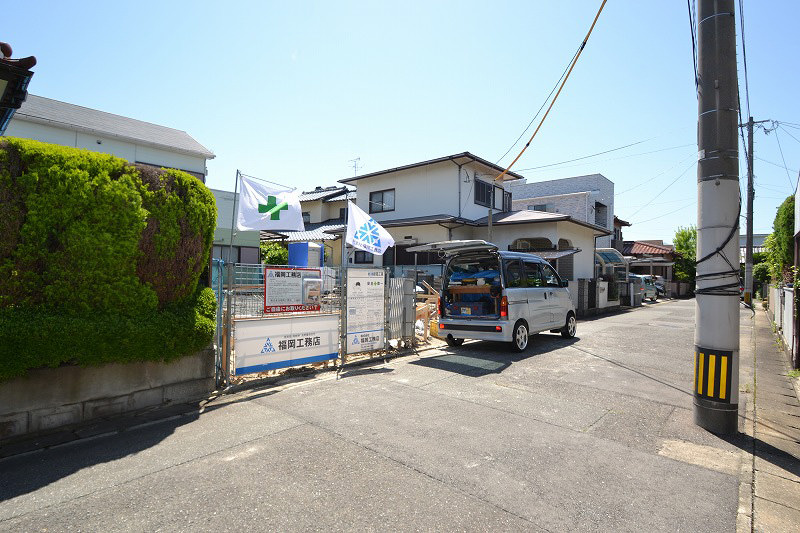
point(686, 245)
point(780, 243)
point(274, 253)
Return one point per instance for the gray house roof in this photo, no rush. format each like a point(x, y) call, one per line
point(83, 119)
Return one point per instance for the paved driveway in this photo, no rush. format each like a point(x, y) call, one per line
point(591, 434)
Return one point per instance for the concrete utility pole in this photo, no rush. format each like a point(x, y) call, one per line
point(716, 383)
point(748, 250)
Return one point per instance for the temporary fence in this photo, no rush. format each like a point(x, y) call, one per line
point(275, 316)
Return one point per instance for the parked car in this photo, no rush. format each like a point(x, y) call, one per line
point(502, 296)
point(647, 287)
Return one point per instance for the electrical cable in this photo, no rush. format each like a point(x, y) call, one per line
point(665, 214)
point(540, 108)
point(665, 188)
point(772, 163)
point(540, 168)
point(553, 101)
point(780, 125)
point(690, 156)
point(794, 188)
point(693, 30)
point(744, 59)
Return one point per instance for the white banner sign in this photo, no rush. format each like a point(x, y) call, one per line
point(365, 311)
point(283, 342)
point(292, 289)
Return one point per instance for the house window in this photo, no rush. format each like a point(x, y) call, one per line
point(506, 202)
point(381, 201)
point(542, 207)
point(342, 212)
point(306, 217)
point(362, 258)
point(483, 193)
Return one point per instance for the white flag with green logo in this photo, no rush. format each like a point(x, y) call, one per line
point(262, 207)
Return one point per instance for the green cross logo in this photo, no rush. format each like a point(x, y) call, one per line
point(273, 208)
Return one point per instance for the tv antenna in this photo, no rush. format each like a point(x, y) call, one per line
point(356, 165)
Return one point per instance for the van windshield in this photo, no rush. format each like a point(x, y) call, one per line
point(472, 286)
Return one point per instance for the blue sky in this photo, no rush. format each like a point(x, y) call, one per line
point(291, 91)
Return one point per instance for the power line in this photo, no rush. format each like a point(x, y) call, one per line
point(540, 108)
point(787, 132)
point(657, 175)
point(693, 31)
point(666, 214)
point(784, 160)
point(744, 59)
point(553, 101)
point(772, 163)
point(542, 167)
point(665, 188)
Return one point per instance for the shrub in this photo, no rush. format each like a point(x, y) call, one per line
point(274, 253)
point(99, 259)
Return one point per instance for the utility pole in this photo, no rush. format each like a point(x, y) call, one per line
point(748, 250)
point(716, 377)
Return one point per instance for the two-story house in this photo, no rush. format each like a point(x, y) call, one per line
point(587, 198)
point(451, 198)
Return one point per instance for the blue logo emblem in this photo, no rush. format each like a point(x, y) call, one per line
point(355, 339)
point(268, 347)
point(368, 234)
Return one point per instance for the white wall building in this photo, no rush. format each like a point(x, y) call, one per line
point(52, 121)
point(450, 197)
point(587, 198)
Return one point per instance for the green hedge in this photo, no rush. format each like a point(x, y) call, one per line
point(32, 338)
point(99, 259)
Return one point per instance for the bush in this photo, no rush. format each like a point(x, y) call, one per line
point(99, 259)
point(274, 253)
point(32, 338)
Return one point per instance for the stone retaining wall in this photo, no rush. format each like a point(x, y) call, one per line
point(50, 398)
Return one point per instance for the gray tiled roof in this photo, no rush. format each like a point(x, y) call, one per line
point(350, 195)
point(321, 192)
point(314, 232)
point(74, 117)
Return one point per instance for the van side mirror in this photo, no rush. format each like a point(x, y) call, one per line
point(565, 283)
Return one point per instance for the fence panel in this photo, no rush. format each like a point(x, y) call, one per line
point(401, 314)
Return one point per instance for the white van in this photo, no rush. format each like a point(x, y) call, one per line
point(500, 296)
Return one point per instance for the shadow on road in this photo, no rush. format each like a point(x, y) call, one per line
point(476, 359)
point(27, 473)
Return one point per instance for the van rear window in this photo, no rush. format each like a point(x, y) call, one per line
point(478, 270)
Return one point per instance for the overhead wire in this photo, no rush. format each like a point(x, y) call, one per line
point(539, 168)
point(690, 156)
point(540, 108)
point(553, 101)
point(665, 214)
point(780, 148)
point(664, 189)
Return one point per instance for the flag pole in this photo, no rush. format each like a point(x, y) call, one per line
point(233, 214)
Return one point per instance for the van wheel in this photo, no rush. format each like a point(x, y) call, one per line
point(519, 337)
point(452, 341)
point(570, 328)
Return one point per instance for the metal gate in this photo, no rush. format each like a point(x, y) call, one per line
point(401, 309)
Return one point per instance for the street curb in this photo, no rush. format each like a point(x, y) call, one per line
point(744, 514)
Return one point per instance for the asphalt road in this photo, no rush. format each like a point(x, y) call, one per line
point(590, 434)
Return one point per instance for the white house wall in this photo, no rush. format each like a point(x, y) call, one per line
point(126, 150)
point(222, 234)
point(575, 205)
point(426, 190)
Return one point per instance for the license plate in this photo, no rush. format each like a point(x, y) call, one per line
point(466, 311)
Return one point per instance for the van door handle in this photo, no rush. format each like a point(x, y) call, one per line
point(545, 296)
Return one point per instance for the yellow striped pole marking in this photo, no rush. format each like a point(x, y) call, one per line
point(700, 375)
point(712, 361)
point(723, 377)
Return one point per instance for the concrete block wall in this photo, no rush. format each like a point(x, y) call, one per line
point(49, 398)
point(600, 188)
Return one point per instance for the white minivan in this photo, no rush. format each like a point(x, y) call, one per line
point(500, 296)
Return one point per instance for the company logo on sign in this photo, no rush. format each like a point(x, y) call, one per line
point(355, 339)
point(268, 347)
point(273, 208)
point(368, 234)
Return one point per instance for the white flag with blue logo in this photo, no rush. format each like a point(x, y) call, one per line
point(364, 233)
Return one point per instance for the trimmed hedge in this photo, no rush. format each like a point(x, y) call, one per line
point(99, 259)
point(32, 338)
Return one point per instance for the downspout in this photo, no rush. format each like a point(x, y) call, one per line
point(459, 186)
